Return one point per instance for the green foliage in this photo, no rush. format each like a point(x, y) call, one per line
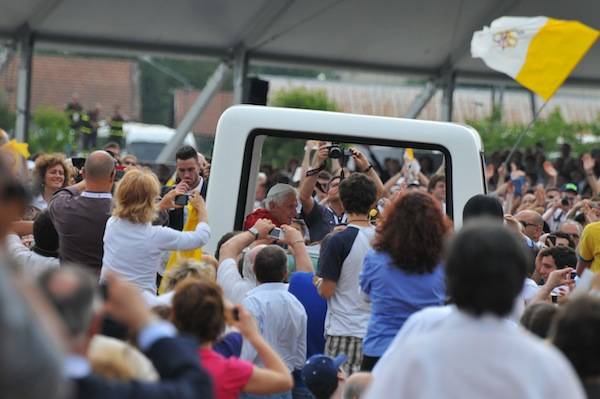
point(7, 117)
point(278, 151)
point(551, 132)
point(304, 98)
point(157, 87)
point(50, 132)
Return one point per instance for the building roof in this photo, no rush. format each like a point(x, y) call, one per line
point(576, 105)
point(206, 125)
point(582, 105)
point(96, 80)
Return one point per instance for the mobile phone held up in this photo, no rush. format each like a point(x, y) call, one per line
point(78, 162)
point(182, 199)
point(276, 233)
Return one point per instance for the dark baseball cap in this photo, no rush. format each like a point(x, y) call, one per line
point(320, 374)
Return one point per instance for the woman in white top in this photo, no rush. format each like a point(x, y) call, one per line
point(51, 173)
point(132, 245)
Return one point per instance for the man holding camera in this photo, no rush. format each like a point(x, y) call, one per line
point(557, 212)
point(189, 179)
point(87, 203)
point(322, 217)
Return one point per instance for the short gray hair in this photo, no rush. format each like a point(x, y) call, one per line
point(278, 193)
point(75, 306)
point(573, 222)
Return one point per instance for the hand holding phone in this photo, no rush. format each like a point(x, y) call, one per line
point(276, 233)
point(181, 199)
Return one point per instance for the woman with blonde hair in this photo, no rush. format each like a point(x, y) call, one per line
point(51, 173)
point(132, 245)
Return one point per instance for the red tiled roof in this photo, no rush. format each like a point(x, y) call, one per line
point(206, 125)
point(96, 80)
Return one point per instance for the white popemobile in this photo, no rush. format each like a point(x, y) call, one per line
point(242, 130)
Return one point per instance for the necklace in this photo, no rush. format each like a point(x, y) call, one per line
point(358, 220)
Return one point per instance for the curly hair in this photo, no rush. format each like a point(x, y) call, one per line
point(358, 193)
point(198, 309)
point(412, 232)
point(135, 196)
point(45, 162)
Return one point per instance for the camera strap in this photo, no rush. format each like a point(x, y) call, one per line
point(315, 171)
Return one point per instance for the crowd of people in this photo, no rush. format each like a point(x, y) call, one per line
point(347, 280)
point(84, 125)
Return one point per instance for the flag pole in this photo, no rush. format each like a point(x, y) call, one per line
point(522, 134)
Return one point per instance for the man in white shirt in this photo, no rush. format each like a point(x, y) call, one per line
point(474, 352)
point(235, 284)
point(340, 264)
point(280, 316)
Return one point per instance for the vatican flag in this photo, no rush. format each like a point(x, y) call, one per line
point(537, 52)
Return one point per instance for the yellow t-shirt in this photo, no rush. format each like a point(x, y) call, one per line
point(589, 245)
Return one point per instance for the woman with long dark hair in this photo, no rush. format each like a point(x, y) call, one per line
point(402, 273)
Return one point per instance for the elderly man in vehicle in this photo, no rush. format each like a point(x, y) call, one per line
point(280, 206)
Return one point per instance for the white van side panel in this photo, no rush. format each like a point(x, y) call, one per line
point(236, 124)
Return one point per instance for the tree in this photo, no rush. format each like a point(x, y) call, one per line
point(51, 131)
point(7, 117)
point(551, 131)
point(278, 151)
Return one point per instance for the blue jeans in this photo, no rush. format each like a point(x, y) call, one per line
point(283, 395)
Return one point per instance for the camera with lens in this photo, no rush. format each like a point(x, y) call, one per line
point(336, 151)
point(564, 201)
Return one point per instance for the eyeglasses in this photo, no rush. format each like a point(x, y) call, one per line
point(525, 224)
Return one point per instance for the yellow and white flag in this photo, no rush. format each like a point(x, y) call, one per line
point(537, 52)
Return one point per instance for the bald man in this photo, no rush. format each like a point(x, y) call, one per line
point(80, 212)
point(533, 224)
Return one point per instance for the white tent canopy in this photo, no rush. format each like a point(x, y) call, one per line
point(422, 36)
point(425, 37)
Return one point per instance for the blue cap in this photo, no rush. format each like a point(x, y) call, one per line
point(320, 373)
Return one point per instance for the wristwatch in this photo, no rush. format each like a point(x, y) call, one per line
point(254, 231)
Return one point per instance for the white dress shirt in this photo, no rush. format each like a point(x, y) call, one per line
point(281, 320)
point(39, 202)
point(468, 357)
point(32, 263)
point(133, 250)
point(235, 287)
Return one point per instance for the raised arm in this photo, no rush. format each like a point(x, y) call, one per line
point(293, 238)
point(274, 376)
point(363, 165)
point(236, 244)
point(309, 180)
point(590, 176)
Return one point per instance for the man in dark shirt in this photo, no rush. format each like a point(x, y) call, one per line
point(189, 179)
point(322, 217)
point(80, 212)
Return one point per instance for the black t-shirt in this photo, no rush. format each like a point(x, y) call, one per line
point(321, 220)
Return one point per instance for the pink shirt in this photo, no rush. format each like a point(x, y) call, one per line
point(229, 375)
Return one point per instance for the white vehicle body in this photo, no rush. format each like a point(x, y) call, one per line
point(242, 130)
point(146, 141)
